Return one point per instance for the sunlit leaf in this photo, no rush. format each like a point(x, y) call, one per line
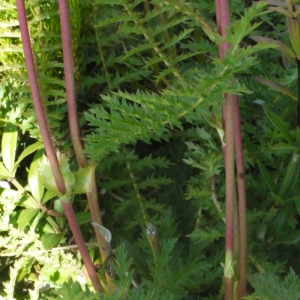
point(9, 146)
point(27, 151)
point(26, 217)
point(36, 188)
point(51, 240)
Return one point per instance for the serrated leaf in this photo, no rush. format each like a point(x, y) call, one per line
point(51, 240)
point(138, 257)
point(26, 217)
point(9, 146)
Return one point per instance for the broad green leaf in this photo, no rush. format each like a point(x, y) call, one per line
point(279, 124)
point(36, 188)
point(58, 206)
point(9, 146)
point(48, 181)
point(28, 201)
point(4, 173)
point(48, 196)
point(27, 151)
point(47, 228)
point(46, 176)
point(267, 177)
point(84, 180)
point(83, 217)
point(26, 217)
point(50, 240)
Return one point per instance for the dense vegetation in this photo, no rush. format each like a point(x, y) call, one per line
point(150, 88)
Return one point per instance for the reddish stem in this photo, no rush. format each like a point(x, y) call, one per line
point(40, 113)
point(66, 38)
point(49, 148)
point(68, 209)
point(242, 288)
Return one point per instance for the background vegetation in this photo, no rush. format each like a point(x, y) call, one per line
point(149, 90)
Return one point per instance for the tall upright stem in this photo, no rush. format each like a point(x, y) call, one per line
point(49, 147)
point(36, 97)
point(242, 289)
point(75, 134)
point(230, 196)
point(233, 142)
point(66, 38)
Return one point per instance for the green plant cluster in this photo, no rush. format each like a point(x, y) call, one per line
point(150, 91)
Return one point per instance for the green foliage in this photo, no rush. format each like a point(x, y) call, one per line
point(150, 91)
point(269, 286)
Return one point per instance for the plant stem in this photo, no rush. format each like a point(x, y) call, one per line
point(298, 109)
point(75, 128)
point(49, 148)
point(230, 196)
point(68, 209)
point(66, 38)
point(223, 21)
point(242, 289)
point(40, 113)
